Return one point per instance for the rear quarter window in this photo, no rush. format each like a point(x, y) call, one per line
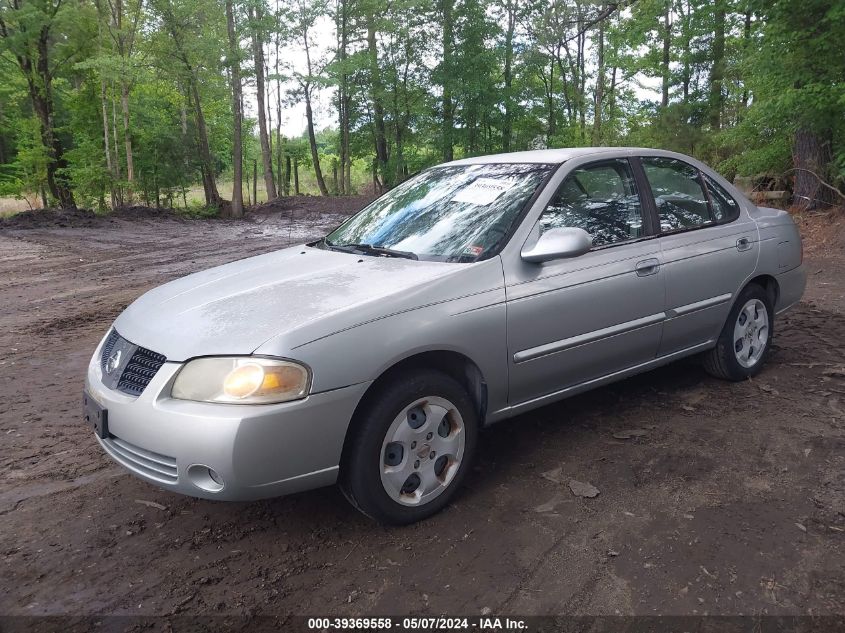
point(725, 208)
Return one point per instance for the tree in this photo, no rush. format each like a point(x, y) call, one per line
point(187, 46)
point(446, 77)
point(797, 87)
point(303, 14)
point(107, 98)
point(123, 24)
point(257, 17)
point(237, 125)
point(27, 32)
point(511, 8)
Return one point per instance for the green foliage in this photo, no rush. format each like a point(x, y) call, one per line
point(529, 73)
point(26, 172)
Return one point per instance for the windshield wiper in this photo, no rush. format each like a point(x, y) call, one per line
point(370, 249)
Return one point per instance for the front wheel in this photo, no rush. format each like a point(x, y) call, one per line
point(745, 341)
point(412, 445)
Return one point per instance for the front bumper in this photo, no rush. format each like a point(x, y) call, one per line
point(256, 451)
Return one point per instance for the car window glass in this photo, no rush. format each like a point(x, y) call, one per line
point(456, 213)
point(680, 198)
point(725, 208)
point(602, 199)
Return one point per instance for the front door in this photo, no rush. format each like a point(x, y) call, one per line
point(574, 320)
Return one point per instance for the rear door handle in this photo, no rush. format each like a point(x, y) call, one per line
point(743, 244)
point(647, 267)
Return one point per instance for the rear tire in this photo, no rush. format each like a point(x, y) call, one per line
point(412, 444)
point(746, 338)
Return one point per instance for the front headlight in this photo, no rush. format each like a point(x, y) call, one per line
point(241, 380)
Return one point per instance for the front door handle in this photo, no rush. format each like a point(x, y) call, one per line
point(743, 244)
point(647, 267)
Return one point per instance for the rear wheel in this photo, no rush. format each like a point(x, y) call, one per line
point(745, 341)
point(412, 445)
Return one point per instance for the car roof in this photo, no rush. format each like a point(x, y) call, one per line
point(563, 154)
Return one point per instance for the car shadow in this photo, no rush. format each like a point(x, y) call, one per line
point(519, 440)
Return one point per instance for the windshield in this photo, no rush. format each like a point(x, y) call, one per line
point(455, 213)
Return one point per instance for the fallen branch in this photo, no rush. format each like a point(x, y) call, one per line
point(819, 178)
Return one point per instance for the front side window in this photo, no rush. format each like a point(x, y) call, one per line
point(455, 213)
point(725, 208)
point(602, 199)
point(678, 193)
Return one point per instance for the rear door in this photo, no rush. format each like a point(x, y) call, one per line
point(708, 247)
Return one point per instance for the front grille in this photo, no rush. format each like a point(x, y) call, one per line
point(128, 367)
point(154, 465)
point(139, 371)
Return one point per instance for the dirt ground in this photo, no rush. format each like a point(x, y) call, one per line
point(725, 499)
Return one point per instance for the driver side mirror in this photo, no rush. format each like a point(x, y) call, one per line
point(558, 244)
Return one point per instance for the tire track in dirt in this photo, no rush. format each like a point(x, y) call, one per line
point(718, 480)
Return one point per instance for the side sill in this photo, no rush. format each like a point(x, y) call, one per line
point(528, 405)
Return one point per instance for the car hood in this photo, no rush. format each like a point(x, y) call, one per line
point(299, 293)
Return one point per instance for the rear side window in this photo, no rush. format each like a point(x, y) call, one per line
point(725, 208)
point(679, 194)
point(602, 199)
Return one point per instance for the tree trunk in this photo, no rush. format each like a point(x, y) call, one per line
point(400, 150)
point(446, 7)
point(279, 150)
point(268, 102)
point(106, 143)
point(599, 94)
point(717, 72)
point(582, 75)
point(237, 143)
point(342, 93)
point(247, 188)
point(287, 174)
point(611, 101)
point(127, 139)
point(811, 156)
point(667, 47)
point(312, 141)
point(209, 184)
point(117, 168)
point(746, 43)
point(254, 181)
point(550, 93)
point(334, 176)
point(507, 123)
point(296, 175)
point(377, 95)
point(40, 83)
point(258, 56)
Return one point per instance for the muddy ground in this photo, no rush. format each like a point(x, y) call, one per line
point(728, 498)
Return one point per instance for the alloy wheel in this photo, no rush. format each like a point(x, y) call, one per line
point(751, 333)
point(422, 451)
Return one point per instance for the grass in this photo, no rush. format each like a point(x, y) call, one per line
point(11, 206)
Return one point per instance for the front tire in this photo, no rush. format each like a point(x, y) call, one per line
point(412, 445)
point(746, 339)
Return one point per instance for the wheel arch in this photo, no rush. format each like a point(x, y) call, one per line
point(769, 284)
point(454, 364)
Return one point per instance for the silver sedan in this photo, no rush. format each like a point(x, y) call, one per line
point(472, 292)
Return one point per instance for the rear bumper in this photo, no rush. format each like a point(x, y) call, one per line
point(791, 286)
point(256, 451)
